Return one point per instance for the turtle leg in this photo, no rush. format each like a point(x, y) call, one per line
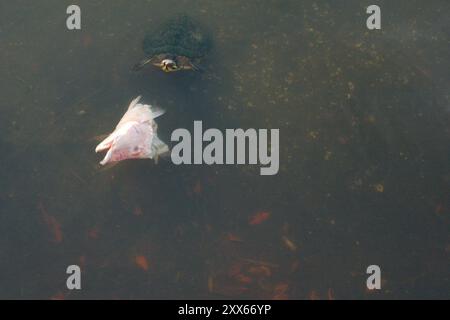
point(141, 64)
point(186, 64)
point(194, 66)
point(191, 66)
point(197, 67)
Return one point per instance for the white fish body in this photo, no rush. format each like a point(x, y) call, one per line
point(135, 136)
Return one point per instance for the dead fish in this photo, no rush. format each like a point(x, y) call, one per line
point(135, 136)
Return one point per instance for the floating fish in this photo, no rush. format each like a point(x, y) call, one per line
point(135, 136)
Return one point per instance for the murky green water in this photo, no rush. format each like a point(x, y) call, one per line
point(364, 153)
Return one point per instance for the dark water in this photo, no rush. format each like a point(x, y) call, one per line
point(364, 153)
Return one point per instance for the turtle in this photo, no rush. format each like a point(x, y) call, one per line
point(179, 44)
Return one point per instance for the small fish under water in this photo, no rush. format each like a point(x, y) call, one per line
point(135, 136)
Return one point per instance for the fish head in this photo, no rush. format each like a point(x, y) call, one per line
point(132, 140)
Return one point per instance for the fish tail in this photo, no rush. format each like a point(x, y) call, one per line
point(158, 148)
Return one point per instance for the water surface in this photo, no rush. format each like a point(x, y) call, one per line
point(364, 153)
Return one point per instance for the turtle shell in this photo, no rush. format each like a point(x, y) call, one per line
point(180, 36)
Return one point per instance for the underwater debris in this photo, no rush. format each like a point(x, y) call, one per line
point(77, 176)
point(379, 188)
point(260, 271)
point(328, 155)
point(295, 266)
point(313, 295)
point(82, 262)
point(243, 278)
point(93, 233)
point(86, 40)
point(259, 262)
point(210, 283)
point(289, 244)
point(259, 218)
point(58, 296)
point(233, 238)
point(142, 262)
point(198, 188)
point(439, 209)
point(330, 294)
point(280, 291)
point(51, 222)
point(137, 211)
point(314, 134)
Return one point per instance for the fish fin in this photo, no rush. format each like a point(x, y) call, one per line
point(158, 148)
point(156, 111)
point(134, 102)
point(106, 143)
point(100, 137)
point(107, 157)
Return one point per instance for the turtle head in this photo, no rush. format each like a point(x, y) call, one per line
point(169, 65)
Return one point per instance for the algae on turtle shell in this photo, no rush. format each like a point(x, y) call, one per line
point(180, 36)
